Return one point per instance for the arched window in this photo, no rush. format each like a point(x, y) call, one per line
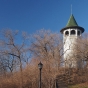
point(67, 33)
point(73, 32)
point(78, 32)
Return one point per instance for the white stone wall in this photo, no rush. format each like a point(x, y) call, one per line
point(70, 47)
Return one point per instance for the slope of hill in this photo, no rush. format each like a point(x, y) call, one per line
point(83, 85)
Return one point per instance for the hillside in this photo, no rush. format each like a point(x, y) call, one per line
point(82, 85)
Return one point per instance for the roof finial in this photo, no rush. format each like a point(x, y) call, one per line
point(71, 9)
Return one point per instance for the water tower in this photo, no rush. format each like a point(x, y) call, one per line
point(71, 33)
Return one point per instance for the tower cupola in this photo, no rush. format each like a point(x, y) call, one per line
point(72, 24)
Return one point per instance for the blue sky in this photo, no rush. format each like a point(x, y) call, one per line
point(33, 15)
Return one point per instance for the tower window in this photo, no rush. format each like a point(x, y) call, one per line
point(78, 33)
point(67, 33)
point(73, 32)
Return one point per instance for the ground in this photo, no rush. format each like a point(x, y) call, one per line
point(83, 85)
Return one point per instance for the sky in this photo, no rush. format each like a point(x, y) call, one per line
point(33, 15)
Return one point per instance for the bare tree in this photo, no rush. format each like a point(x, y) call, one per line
point(83, 49)
point(14, 50)
point(47, 46)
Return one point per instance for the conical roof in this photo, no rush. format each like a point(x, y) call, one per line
point(71, 22)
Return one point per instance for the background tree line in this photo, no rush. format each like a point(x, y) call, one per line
point(20, 54)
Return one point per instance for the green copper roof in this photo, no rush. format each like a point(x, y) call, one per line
point(71, 22)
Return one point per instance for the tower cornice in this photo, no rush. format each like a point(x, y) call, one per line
point(72, 27)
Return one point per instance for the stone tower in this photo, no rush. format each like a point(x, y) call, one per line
point(71, 33)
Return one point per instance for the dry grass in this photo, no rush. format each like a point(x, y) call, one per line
point(82, 85)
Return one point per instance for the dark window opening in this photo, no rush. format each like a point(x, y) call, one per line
point(66, 33)
point(73, 32)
